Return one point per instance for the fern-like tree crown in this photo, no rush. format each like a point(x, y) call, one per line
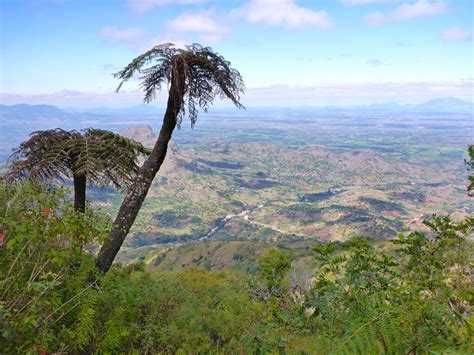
point(196, 76)
point(104, 157)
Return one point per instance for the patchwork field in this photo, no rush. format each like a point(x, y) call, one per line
point(279, 182)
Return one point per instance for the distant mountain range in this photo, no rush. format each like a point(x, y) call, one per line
point(134, 110)
point(38, 113)
point(25, 112)
point(449, 104)
point(443, 105)
point(28, 113)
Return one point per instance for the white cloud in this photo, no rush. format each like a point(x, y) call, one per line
point(145, 5)
point(456, 34)
point(139, 40)
point(419, 8)
point(375, 62)
point(193, 23)
point(284, 13)
point(202, 24)
point(123, 35)
point(367, 2)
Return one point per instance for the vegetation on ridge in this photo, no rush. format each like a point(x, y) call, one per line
point(413, 297)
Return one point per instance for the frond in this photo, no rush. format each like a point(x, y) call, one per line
point(43, 156)
point(207, 75)
point(387, 332)
point(84, 327)
point(162, 54)
point(197, 75)
point(109, 157)
point(104, 157)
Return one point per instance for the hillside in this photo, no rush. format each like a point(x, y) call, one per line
point(282, 193)
point(300, 297)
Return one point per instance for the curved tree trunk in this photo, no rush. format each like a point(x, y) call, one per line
point(138, 190)
point(79, 181)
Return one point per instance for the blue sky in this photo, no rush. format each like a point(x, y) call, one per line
point(290, 52)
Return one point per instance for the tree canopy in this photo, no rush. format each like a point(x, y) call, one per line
point(206, 75)
point(103, 156)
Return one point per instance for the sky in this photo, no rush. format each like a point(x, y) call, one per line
point(290, 52)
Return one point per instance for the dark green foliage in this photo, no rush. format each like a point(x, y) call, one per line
point(273, 267)
point(104, 157)
point(43, 268)
point(414, 298)
point(174, 219)
point(304, 213)
point(317, 196)
point(190, 311)
point(382, 205)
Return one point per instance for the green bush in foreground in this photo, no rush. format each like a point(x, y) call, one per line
point(413, 297)
point(416, 299)
point(43, 265)
point(166, 312)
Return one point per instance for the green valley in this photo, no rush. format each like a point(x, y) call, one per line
point(254, 185)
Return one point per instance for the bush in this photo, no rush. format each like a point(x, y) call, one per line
point(419, 300)
point(43, 265)
point(188, 311)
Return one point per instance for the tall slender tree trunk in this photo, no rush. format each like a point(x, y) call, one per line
point(79, 181)
point(138, 190)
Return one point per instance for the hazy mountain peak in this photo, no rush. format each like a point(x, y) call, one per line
point(143, 134)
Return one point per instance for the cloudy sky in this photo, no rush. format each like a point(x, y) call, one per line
point(290, 52)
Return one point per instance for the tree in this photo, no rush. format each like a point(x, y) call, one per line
point(274, 265)
point(470, 166)
point(195, 75)
point(97, 157)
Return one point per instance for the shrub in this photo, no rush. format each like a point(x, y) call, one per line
point(188, 311)
point(43, 266)
point(368, 300)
